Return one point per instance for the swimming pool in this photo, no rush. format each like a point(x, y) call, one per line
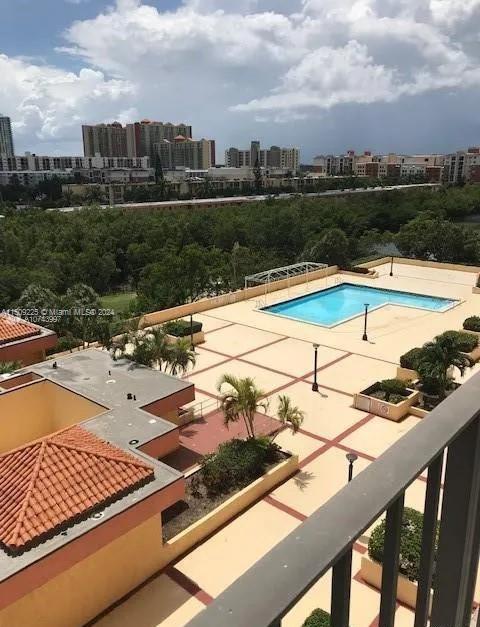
point(338, 304)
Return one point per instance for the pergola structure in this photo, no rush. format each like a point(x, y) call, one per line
point(285, 272)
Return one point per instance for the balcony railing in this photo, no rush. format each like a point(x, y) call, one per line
point(272, 586)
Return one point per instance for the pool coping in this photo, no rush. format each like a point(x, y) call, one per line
point(456, 302)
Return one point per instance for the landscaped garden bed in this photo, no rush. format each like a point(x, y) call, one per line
point(410, 551)
point(389, 399)
point(407, 371)
point(238, 469)
point(181, 329)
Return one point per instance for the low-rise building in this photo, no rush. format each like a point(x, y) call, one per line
point(463, 166)
point(23, 341)
point(81, 485)
point(31, 169)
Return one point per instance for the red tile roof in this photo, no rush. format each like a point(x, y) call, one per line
point(52, 483)
point(13, 329)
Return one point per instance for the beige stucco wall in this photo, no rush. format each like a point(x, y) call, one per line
point(82, 592)
point(37, 409)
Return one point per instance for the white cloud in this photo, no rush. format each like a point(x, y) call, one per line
point(224, 65)
point(47, 103)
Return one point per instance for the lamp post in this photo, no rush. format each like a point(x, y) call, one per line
point(365, 337)
point(192, 345)
point(315, 360)
point(391, 266)
point(351, 458)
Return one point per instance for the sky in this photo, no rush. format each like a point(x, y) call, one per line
point(323, 75)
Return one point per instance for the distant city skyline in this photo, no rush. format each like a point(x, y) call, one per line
point(323, 75)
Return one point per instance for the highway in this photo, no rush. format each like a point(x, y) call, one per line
point(240, 200)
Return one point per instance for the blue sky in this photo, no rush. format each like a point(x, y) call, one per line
point(324, 75)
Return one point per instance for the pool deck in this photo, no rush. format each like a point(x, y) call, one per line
point(277, 353)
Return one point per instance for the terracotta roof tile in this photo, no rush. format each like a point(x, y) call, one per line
point(54, 482)
point(13, 329)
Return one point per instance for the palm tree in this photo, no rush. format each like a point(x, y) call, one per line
point(289, 415)
point(435, 361)
point(7, 367)
point(241, 401)
point(161, 349)
point(181, 356)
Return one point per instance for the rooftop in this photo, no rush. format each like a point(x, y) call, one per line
point(13, 329)
point(49, 485)
point(106, 445)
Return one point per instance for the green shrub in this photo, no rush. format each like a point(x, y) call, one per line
point(478, 281)
point(236, 463)
point(410, 358)
point(465, 342)
point(410, 543)
point(472, 324)
point(65, 343)
point(318, 618)
point(393, 388)
point(181, 328)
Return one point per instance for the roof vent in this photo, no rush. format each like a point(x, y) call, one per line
point(97, 515)
point(133, 442)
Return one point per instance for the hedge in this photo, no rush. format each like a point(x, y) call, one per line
point(410, 543)
point(236, 463)
point(181, 328)
point(411, 358)
point(465, 342)
point(318, 618)
point(472, 323)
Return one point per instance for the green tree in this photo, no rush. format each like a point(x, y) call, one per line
point(330, 247)
point(181, 356)
point(436, 360)
point(289, 415)
point(242, 401)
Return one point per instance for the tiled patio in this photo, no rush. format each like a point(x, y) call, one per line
point(278, 354)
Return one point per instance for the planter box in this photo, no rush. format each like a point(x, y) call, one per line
point(197, 532)
point(419, 412)
point(371, 573)
point(474, 356)
point(198, 338)
point(475, 290)
point(405, 374)
point(391, 411)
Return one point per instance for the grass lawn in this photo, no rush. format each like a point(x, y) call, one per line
point(118, 302)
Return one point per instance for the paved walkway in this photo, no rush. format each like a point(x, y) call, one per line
point(278, 354)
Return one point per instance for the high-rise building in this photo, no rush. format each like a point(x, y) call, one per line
point(184, 152)
point(463, 165)
point(6, 137)
point(105, 140)
point(133, 140)
point(274, 157)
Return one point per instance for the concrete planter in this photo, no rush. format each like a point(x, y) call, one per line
point(475, 290)
point(198, 338)
point(474, 356)
point(381, 408)
point(371, 573)
point(197, 532)
point(419, 412)
point(405, 374)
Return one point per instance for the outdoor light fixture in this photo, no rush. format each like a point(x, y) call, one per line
point(391, 267)
point(365, 337)
point(315, 359)
point(192, 345)
point(351, 458)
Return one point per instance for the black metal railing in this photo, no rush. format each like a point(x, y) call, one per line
point(272, 586)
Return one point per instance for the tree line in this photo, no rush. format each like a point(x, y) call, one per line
point(169, 257)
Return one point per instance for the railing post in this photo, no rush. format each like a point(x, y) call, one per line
point(341, 583)
point(391, 549)
point(429, 536)
point(457, 560)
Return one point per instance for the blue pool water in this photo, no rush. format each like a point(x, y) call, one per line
point(337, 304)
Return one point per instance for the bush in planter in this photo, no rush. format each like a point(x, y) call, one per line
point(472, 324)
point(410, 543)
point(236, 463)
point(181, 328)
point(318, 618)
point(435, 362)
point(409, 360)
point(394, 390)
point(465, 342)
